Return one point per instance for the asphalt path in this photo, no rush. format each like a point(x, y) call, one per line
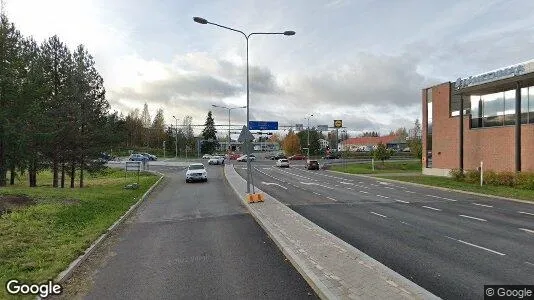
point(450, 243)
point(192, 241)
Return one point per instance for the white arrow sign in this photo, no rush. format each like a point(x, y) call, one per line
point(273, 183)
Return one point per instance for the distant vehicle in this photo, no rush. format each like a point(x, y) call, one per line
point(206, 156)
point(282, 163)
point(297, 157)
point(196, 172)
point(137, 157)
point(331, 156)
point(244, 158)
point(234, 156)
point(407, 149)
point(150, 156)
point(278, 156)
point(104, 156)
point(216, 160)
point(312, 164)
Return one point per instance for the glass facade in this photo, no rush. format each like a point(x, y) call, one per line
point(498, 109)
point(429, 128)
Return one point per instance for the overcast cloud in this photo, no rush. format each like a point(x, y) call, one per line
point(364, 62)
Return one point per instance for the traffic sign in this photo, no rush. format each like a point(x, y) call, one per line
point(338, 123)
point(245, 135)
point(263, 125)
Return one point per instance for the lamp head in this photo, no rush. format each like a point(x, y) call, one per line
point(289, 32)
point(204, 21)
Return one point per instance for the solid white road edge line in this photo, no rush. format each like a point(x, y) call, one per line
point(482, 205)
point(526, 213)
point(477, 246)
point(527, 230)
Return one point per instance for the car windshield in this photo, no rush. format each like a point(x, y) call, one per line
point(283, 160)
point(196, 167)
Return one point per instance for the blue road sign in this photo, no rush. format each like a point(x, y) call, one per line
point(262, 125)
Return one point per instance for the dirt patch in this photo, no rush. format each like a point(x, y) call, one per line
point(12, 202)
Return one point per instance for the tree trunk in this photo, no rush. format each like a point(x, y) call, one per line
point(72, 174)
point(62, 175)
point(12, 177)
point(3, 169)
point(81, 173)
point(55, 170)
point(33, 173)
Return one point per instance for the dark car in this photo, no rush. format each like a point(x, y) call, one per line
point(278, 156)
point(297, 157)
point(331, 156)
point(312, 164)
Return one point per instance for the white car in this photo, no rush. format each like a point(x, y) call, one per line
point(282, 163)
point(244, 158)
point(206, 156)
point(196, 172)
point(216, 160)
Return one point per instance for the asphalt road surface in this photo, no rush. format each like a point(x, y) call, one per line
point(191, 241)
point(450, 243)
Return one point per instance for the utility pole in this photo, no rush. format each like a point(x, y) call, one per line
point(176, 139)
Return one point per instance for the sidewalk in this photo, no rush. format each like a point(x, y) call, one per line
point(334, 269)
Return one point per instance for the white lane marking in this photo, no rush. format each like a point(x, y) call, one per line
point(410, 192)
point(272, 183)
point(477, 246)
point(316, 193)
point(474, 218)
point(526, 213)
point(401, 201)
point(404, 223)
point(378, 214)
point(386, 197)
point(343, 182)
point(387, 187)
point(363, 192)
point(438, 197)
point(432, 208)
point(529, 263)
point(332, 199)
point(361, 182)
point(381, 182)
point(482, 205)
point(527, 230)
point(349, 188)
point(266, 168)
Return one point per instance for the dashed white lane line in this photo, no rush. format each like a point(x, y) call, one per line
point(526, 213)
point(317, 193)
point(474, 218)
point(378, 214)
point(349, 188)
point(482, 205)
point(410, 192)
point(401, 201)
point(332, 199)
point(389, 188)
point(404, 223)
point(363, 192)
point(476, 246)
point(438, 197)
point(527, 230)
point(432, 208)
point(385, 197)
point(529, 263)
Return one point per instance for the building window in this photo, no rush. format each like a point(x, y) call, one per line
point(476, 112)
point(429, 128)
point(493, 110)
point(524, 105)
point(531, 104)
point(509, 107)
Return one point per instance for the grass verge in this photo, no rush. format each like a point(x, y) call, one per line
point(386, 167)
point(39, 241)
point(445, 182)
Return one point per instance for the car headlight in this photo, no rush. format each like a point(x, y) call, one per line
point(204, 173)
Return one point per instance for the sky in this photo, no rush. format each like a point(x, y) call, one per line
point(362, 61)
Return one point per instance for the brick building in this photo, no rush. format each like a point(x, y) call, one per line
point(493, 131)
point(367, 143)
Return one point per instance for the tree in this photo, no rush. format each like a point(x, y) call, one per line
point(414, 140)
point(315, 136)
point(158, 129)
point(209, 134)
point(291, 143)
point(400, 132)
point(145, 119)
point(381, 152)
point(370, 134)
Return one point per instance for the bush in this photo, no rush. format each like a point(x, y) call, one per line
point(525, 181)
point(472, 176)
point(491, 177)
point(457, 174)
point(507, 178)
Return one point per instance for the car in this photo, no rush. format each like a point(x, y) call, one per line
point(278, 156)
point(331, 156)
point(206, 156)
point(234, 156)
point(150, 156)
point(196, 172)
point(244, 158)
point(282, 163)
point(312, 164)
point(137, 157)
point(216, 160)
point(297, 157)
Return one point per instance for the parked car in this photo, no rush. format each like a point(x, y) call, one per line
point(297, 157)
point(331, 156)
point(282, 163)
point(234, 156)
point(150, 156)
point(244, 158)
point(206, 156)
point(196, 172)
point(137, 157)
point(312, 164)
point(278, 156)
point(216, 160)
point(106, 156)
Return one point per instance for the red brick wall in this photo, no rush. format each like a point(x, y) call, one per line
point(494, 146)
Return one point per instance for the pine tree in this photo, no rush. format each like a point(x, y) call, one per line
point(209, 134)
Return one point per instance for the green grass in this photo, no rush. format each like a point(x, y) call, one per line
point(445, 182)
point(37, 242)
point(387, 167)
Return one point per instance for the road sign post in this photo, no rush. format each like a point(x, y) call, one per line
point(246, 137)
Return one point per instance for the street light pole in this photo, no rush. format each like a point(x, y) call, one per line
point(288, 33)
point(308, 117)
point(229, 109)
point(176, 138)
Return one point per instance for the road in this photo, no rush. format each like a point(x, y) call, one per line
point(190, 241)
point(449, 243)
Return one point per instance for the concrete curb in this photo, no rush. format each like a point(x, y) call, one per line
point(356, 260)
point(63, 276)
point(437, 187)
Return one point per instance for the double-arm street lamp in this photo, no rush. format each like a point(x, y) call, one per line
point(229, 109)
point(308, 117)
point(204, 21)
point(176, 138)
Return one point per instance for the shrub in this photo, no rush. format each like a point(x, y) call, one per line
point(507, 178)
point(525, 181)
point(472, 176)
point(457, 174)
point(491, 177)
